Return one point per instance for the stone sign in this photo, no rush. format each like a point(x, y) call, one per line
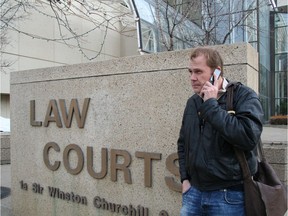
point(101, 138)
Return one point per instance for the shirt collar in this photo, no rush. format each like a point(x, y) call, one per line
point(224, 85)
point(222, 90)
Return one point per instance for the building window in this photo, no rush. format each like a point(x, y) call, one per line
point(281, 60)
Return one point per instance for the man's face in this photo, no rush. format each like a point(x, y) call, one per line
point(200, 72)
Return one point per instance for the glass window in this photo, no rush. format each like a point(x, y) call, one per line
point(281, 40)
point(281, 60)
point(264, 90)
point(162, 27)
point(145, 10)
point(148, 38)
point(281, 35)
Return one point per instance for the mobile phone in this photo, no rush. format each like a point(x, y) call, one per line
point(217, 72)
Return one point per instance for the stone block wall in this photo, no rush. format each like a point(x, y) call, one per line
point(5, 148)
point(276, 155)
point(100, 138)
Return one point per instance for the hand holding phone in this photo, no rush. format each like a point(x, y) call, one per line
point(209, 90)
point(217, 73)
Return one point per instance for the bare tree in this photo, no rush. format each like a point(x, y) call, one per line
point(171, 16)
point(205, 22)
point(101, 16)
point(180, 23)
point(10, 12)
point(221, 20)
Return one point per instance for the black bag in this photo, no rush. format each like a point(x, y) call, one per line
point(265, 194)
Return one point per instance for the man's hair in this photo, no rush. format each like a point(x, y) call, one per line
point(213, 58)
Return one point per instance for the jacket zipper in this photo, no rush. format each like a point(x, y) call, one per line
point(197, 149)
point(193, 161)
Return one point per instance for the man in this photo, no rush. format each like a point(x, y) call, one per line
point(210, 173)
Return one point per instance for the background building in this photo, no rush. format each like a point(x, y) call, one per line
point(39, 40)
point(279, 57)
point(263, 24)
point(117, 28)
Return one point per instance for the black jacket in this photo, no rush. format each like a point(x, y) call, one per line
point(208, 134)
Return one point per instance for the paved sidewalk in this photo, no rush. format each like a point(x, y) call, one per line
point(274, 135)
point(270, 135)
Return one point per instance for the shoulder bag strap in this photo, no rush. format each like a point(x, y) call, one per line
point(239, 153)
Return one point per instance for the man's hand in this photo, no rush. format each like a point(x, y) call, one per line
point(210, 91)
point(185, 186)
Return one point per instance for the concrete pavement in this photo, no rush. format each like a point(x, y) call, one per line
point(274, 135)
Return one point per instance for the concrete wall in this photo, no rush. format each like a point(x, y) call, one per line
point(134, 108)
point(277, 157)
point(5, 148)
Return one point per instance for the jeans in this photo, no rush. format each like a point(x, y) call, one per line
point(212, 203)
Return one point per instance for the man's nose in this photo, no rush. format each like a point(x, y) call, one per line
point(193, 77)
